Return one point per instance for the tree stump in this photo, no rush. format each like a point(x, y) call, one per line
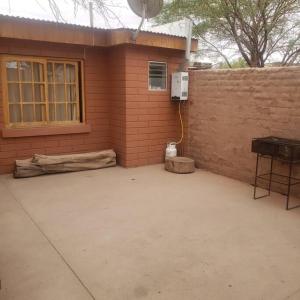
point(180, 165)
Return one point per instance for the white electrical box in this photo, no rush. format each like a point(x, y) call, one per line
point(180, 86)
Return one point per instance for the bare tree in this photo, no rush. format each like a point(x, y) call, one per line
point(105, 8)
point(258, 29)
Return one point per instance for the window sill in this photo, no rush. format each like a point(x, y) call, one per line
point(158, 90)
point(42, 131)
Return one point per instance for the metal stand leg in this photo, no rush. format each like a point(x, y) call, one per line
point(289, 185)
point(289, 158)
point(256, 177)
point(255, 180)
point(271, 173)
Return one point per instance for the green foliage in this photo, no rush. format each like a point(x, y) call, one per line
point(257, 28)
point(234, 64)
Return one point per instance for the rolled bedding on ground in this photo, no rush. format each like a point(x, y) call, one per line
point(47, 164)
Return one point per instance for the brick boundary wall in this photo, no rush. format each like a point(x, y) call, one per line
point(227, 108)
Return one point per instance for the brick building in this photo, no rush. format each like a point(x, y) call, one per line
point(68, 89)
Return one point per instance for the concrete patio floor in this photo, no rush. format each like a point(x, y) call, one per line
point(144, 233)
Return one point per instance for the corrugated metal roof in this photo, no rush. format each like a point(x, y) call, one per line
point(21, 18)
point(86, 26)
point(149, 30)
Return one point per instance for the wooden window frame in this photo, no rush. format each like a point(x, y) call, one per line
point(157, 90)
point(79, 75)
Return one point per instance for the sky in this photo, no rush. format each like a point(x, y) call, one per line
point(40, 9)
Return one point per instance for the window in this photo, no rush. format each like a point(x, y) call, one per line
point(41, 91)
point(157, 76)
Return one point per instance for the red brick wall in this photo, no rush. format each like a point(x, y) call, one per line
point(228, 108)
point(151, 118)
point(122, 112)
point(118, 98)
point(97, 105)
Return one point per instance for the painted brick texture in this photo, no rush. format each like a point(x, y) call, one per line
point(142, 121)
point(97, 105)
point(228, 108)
point(122, 112)
point(151, 118)
point(117, 96)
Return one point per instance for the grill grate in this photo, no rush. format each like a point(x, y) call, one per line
point(285, 149)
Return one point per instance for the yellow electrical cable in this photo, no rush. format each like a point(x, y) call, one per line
point(181, 123)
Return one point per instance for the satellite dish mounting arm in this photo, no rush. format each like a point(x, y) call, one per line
point(136, 33)
point(144, 9)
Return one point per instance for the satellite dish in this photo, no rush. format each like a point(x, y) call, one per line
point(146, 8)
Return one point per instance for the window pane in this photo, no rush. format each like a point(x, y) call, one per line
point(71, 93)
point(60, 112)
point(70, 73)
point(157, 83)
point(50, 72)
point(51, 93)
point(39, 92)
point(158, 68)
point(59, 72)
point(25, 70)
point(28, 113)
point(14, 113)
point(27, 92)
point(27, 82)
point(52, 112)
point(12, 71)
point(40, 113)
point(157, 73)
point(72, 112)
point(13, 92)
point(60, 92)
point(38, 74)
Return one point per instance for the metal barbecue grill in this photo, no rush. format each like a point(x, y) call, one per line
point(274, 148)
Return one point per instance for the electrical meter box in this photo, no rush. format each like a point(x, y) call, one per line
point(180, 86)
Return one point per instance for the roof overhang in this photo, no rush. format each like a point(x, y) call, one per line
point(37, 30)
